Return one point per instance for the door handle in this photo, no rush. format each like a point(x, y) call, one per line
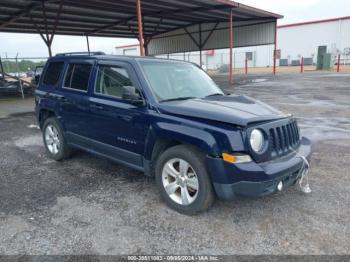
point(63, 99)
point(98, 107)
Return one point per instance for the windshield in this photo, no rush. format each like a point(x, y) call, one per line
point(172, 81)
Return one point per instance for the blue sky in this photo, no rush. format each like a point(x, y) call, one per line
point(27, 45)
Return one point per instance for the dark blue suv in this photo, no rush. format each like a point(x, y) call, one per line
point(171, 121)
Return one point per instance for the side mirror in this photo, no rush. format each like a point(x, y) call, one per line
point(132, 95)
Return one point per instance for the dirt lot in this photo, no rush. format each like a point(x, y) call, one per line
point(13, 105)
point(88, 205)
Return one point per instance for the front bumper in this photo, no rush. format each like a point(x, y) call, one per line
point(253, 179)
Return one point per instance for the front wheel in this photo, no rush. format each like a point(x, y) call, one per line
point(183, 181)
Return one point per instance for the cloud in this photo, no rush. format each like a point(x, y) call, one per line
point(273, 5)
point(302, 10)
point(31, 45)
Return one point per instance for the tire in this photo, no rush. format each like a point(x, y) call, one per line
point(178, 189)
point(52, 132)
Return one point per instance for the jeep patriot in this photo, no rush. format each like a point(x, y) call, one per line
point(170, 120)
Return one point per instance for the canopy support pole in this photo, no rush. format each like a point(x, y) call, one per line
point(47, 36)
point(139, 23)
point(2, 70)
point(50, 51)
point(231, 48)
point(191, 36)
point(200, 46)
point(147, 41)
point(275, 51)
point(210, 34)
point(87, 43)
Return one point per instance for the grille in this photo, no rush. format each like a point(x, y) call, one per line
point(284, 138)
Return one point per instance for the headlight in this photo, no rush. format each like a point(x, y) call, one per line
point(257, 140)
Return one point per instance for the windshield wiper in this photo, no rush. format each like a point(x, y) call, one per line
point(215, 94)
point(177, 99)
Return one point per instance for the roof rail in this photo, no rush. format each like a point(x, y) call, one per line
point(81, 53)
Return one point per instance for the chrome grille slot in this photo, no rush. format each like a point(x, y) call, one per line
point(284, 138)
point(290, 134)
point(285, 141)
point(280, 140)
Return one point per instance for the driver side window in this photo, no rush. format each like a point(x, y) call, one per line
point(111, 80)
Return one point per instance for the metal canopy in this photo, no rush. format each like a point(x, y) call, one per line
point(110, 18)
point(161, 26)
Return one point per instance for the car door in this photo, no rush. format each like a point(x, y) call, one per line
point(119, 127)
point(74, 99)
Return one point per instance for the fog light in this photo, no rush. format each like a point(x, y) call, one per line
point(280, 186)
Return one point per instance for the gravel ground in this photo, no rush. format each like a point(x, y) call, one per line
point(89, 205)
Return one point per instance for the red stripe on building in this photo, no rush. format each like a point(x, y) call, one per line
point(315, 22)
point(126, 46)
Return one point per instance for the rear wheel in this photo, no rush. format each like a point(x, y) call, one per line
point(54, 141)
point(183, 181)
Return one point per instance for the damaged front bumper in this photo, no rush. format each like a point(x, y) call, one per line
point(258, 179)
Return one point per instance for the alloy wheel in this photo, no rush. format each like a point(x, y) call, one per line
point(180, 181)
point(52, 140)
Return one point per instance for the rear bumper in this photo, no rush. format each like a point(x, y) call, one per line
point(255, 180)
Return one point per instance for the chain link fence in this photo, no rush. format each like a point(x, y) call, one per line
point(18, 75)
point(260, 61)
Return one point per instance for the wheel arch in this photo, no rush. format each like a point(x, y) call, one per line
point(44, 114)
point(165, 135)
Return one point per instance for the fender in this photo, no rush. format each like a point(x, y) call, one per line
point(49, 105)
point(181, 133)
point(58, 117)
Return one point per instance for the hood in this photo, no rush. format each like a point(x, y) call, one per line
point(232, 109)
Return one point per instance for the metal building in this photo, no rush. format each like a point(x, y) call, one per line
point(303, 39)
point(293, 42)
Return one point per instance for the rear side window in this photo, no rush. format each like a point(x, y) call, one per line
point(53, 73)
point(78, 76)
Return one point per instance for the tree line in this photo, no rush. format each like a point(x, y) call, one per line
point(23, 65)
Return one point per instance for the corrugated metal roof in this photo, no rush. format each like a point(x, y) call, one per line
point(111, 18)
